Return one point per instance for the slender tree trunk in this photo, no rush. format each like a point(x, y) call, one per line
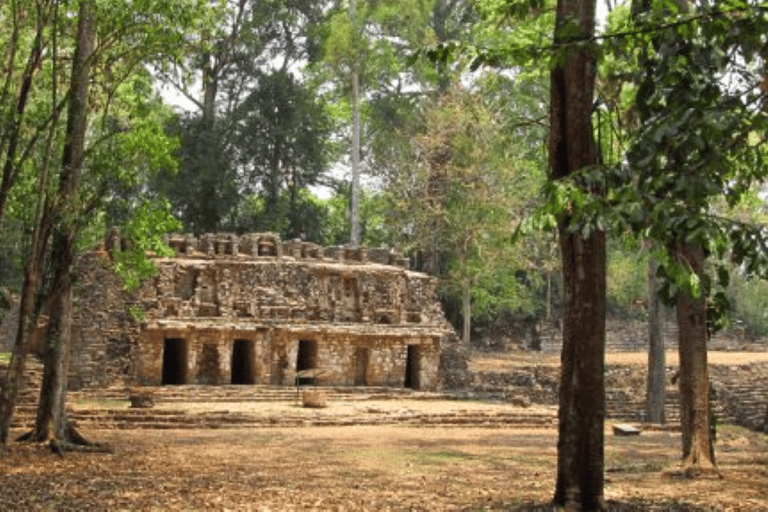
point(354, 204)
point(13, 378)
point(656, 388)
point(12, 136)
point(29, 307)
point(580, 456)
point(466, 310)
point(765, 422)
point(698, 446)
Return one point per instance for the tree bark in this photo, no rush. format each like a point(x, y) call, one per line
point(580, 456)
point(13, 135)
point(12, 383)
point(765, 422)
point(656, 388)
point(354, 203)
point(466, 311)
point(51, 419)
point(29, 305)
point(698, 445)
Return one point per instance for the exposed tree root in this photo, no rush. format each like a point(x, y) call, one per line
point(72, 441)
point(691, 470)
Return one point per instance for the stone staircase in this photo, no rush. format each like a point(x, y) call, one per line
point(743, 393)
point(176, 419)
point(175, 408)
point(26, 404)
point(620, 405)
point(742, 397)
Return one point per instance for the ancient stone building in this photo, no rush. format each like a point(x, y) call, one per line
point(253, 309)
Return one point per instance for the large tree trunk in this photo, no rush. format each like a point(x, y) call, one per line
point(698, 446)
point(581, 412)
point(51, 418)
point(656, 381)
point(580, 457)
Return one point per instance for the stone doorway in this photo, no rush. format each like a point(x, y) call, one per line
point(174, 361)
point(208, 368)
point(362, 354)
point(413, 367)
point(306, 359)
point(243, 371)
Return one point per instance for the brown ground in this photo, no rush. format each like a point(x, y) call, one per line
point(500, 362)
point(389, 467)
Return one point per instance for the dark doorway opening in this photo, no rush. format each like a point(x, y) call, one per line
point(361, 366)
point(243, 371)
point(174, 361)
point(306, 359)
point(413, 367)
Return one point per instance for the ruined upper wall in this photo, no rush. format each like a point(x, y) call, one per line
point(259, 278)
point(265, 245)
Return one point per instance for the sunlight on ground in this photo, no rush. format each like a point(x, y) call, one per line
point(503, 361)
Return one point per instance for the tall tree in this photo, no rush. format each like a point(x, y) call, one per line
point(462, 193)
point(572, 148)
point(51, 422)
point(30, 34)
point(375, 47)
point(253, 45)
point(354, 203)
point(701, 123)
point(282, 133)
point(111, 44)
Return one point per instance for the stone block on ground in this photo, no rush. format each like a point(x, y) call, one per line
point(141, 399)
point(624, 429)
point(314, 398)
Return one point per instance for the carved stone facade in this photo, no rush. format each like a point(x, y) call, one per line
point(253, 309)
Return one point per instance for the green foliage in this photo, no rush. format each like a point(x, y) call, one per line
point(470, 183)
point(204, 188)
point(282, 129)
point(750, 300)
point(144, 232)
point(374, 231)
point(627, 278)
point(137, 313)
point(693, 136)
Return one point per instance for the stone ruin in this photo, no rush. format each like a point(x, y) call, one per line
point(253, 309)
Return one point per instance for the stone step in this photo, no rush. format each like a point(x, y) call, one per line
point(147, 419)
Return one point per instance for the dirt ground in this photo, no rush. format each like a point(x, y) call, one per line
point(500, 362)
point(384, 467)
point(368, 468)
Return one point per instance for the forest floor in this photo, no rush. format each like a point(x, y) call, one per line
point(383, 467)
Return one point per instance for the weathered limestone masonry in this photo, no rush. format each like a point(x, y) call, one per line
point(253, 309)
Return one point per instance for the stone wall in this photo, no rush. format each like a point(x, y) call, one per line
point(104, 332)
point(253, 309)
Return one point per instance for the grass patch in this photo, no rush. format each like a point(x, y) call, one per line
point(105, 403)
point(5, 357)
point(425, 458)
